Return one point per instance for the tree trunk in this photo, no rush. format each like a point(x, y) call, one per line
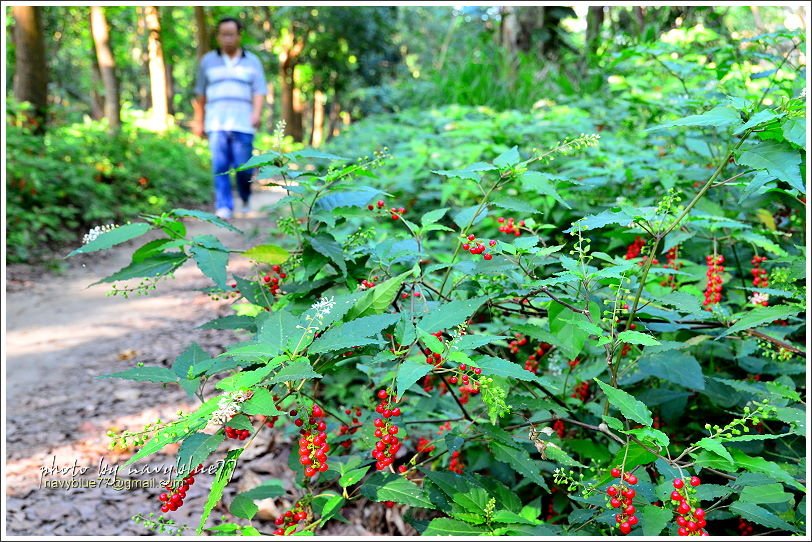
point(107, 67)
point(594, 22)
point(96, 98)
point(157, 68)
point(335, 111)
point(31, 70)
point(168, 20)
point(202, 29)
point(291, 105)
point(317, 132)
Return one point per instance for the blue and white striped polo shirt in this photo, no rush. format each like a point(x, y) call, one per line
point(229, 89)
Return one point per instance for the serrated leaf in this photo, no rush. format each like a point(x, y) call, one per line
point(212, 261)
point(390, 487)
point(542, 183)
point(636, 337)
point(219, 483)
point(118, 235)
point(147, 373)
point(719, 116)
point(433, 216)
point(716, 447)
point(758, 316)
point(246, 379)
point(677, 367)
point(649, 434)
point(356, 332)
point(327, 246)
point(409, 372)
point(519, 460)
point(205, 217)
point(630, 407)
point(794, 131)
point(189, 358)
point(508, 158)
point(492, 366)
point(195, 449)
point(352, 476)
point(268, 254)
point(778, 159)
point(654, 519)
point(268, 489)
point(243, 507)
point(468, 216)
point(764, 494)
point(296, 370)
point(755, 513)
point(451, 314)
point(154, 266)
point(261, 403)
point(376, 300)
point(471, 172)
point(452, 527)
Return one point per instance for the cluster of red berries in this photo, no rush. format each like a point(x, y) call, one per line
point(691, 520)
point(388, 444)
point(366, 284)
point(270, 421)
point(395, 212)
point(475, 246)
point(559, 428)
point(427, 382)
point(173, 499)
point(634, 250)
point(509, 226)
point(621, 497)
point(405, 295)
point(239, 434)
point(346, 429)
point(468, 386)
point(531, 363)
point(745, 527)
point(671, 263)
point(434, 358)
point(582, 391)
point(455, 463)
point(424, 445)
point(290, 518)
point(713, 291)
point(313, 447)
point(759, 274)
point(273, 283)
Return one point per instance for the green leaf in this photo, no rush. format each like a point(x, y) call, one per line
point(758, 316)
point(794, 131)
point(196, 448)
point(276, 331)
point(327, 246)
point(187, 360)
point(719, 116)
point(762, 117)
point(433, 216)
point(212, 261)
point(472, 172)
point(312, 154)
point(409, 372)
point(761, 465)
point(390, 487)
point(147, 373)
point(451, 314)
point(765, 494)
point(778, 159)
point(353, 333)
point(452, 527)
point(351, 198)
point(508, 158)
point(269, 489)
point(677, 367)
point(376, 300)
point(269, 254)
point(755, 513)
point(352, 476)
point(630, 407)
point(433, 343)
point(177, 431)
point(654, 519)
point(650, 435)
point(716, 447)
point(219, 483)
point(261, 403)
point(542, 183)
point(205, 217)
point(243, 507)
point(331, 508)
point(636, 337)
point(232, 321)
point(160, 264)
point(297, 370)
point(600, 220)
point(246, 379)
point(256, 352)
point(492, 366)
point(468, 216)
point(519, 460)
point(119, 235)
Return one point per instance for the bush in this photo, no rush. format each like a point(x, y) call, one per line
point(78, 176)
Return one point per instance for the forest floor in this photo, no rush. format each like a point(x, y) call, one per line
point(61, 335)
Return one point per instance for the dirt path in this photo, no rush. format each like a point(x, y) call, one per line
point(60, 336)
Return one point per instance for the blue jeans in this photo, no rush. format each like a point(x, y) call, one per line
point(230, 150)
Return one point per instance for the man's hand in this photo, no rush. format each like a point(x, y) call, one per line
point(256, 118)
point(197, 128)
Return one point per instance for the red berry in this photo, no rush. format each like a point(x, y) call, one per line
point(389, 504)
point(699, 513)
point(612, 491)
point(676, 496)
point(625, 528)
point(695, 481)
point(471, 237)
point(633, 520)
point(403, 468)
point(317, 411)
point(615, 503)
point(682, 531)
point(632, 479)
point(488, 256)
point(679, 483)
point(396, 411)
point(615, 473)
point(165, 508)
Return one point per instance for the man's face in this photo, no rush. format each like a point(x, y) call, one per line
point(228, 36)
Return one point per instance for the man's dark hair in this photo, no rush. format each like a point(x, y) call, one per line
point(230, 20)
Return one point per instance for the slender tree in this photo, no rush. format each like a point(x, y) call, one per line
point(107, 66)
point(201, 31)
point(31, 70)
point(157, 68)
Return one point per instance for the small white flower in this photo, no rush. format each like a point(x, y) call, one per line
point(323, 307)
point(96, 231)
point(759, 298)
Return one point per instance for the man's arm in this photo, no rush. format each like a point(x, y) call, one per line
point(256, 115)
point(199, 106)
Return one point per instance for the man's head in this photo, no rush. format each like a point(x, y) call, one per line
point(229, 30)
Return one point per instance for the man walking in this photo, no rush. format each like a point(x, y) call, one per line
point(230, 90)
